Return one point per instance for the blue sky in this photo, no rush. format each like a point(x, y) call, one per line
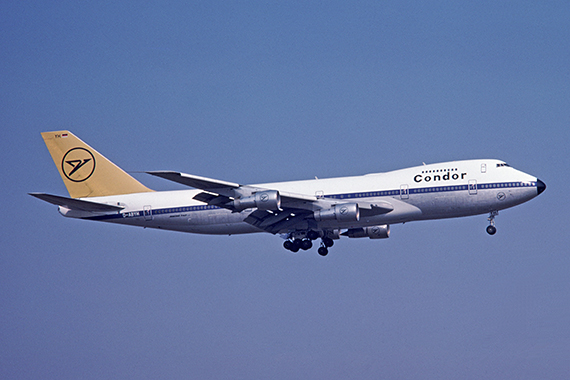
point(268, 91)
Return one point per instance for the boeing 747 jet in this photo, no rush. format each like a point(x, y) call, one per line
point(299, 211)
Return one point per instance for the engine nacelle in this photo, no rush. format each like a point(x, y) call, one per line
point(373, 232)
point(264, 200)
point(347, 212)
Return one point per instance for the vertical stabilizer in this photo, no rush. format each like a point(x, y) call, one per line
point(85, 172)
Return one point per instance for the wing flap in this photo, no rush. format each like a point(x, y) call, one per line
point(277, 222)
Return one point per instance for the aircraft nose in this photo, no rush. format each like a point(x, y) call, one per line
point(540, 186)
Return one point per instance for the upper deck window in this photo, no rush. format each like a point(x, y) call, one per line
point(439, 171)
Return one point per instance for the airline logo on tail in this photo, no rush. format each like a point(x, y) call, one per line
point(78, 164)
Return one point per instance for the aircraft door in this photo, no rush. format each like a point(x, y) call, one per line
point(404, 192)
point(472, 187)
point(147, 212)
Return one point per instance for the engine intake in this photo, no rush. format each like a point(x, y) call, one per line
point(264, 200)
point(373, 232)
point(347, 212)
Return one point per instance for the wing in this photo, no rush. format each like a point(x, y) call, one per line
point(76, 204)
point(208, 184)
point(223, 193)
point(276, 211)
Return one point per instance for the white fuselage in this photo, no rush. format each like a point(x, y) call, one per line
point(445, 190)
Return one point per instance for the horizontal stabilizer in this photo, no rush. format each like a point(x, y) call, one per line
point(75, 204)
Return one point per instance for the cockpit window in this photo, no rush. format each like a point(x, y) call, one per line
point(503, 165)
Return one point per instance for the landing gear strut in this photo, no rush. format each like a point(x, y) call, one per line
point(491, 229)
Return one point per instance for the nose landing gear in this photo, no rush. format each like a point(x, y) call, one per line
point(491, 229)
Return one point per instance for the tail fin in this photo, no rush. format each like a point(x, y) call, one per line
point(85, 172)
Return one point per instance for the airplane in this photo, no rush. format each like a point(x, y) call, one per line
point(300, 211)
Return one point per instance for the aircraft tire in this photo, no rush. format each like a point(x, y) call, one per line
point(312, 235)
point(328, 242)
point(323, 251)
point(306, 244)
point(491, 230)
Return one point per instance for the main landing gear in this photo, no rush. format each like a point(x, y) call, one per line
point(491, 229)
point(294, 244)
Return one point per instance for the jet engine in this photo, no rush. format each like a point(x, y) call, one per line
point(373, 232)
point(264, 200)
point(347, 212)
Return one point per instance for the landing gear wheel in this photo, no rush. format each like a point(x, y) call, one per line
point(292, 246)
point(491, 229)
point(323, 251)
point(306, 244)
point(328, 242)
point(312, 235)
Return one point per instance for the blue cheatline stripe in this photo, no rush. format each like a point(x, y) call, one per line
point(367, 194)
point(159, 211)
point(437, 189)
